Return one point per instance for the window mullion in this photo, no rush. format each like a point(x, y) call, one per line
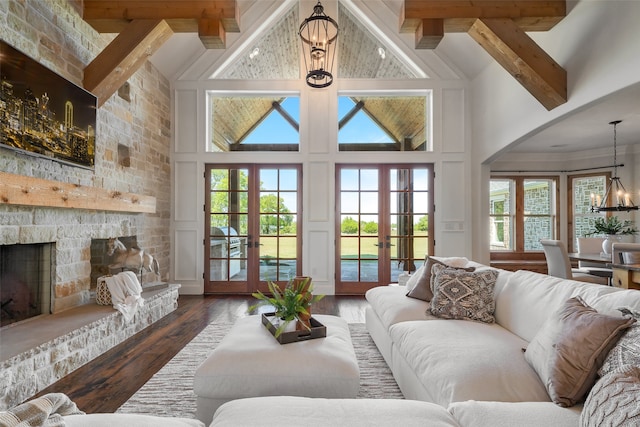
point(519, 224)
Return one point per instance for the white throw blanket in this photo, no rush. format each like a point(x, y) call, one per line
point(125, 292)
point(46, 411)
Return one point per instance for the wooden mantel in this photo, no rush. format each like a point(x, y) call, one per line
point(30, 191)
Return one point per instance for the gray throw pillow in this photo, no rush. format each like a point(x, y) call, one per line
point(570, 347)
point(463, 295)
point(614, 401)
point(626, 351)
point(422, 289)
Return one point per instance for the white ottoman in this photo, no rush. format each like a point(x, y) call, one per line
point(249, 362)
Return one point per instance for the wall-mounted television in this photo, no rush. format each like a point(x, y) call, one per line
point(43, 114)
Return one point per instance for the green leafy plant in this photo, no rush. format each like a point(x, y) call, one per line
point(289, 304)
point(612, 225)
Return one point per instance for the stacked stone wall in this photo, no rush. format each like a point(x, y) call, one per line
point(27, 373)
point(53, 33)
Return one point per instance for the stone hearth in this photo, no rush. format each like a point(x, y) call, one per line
point(38, 352)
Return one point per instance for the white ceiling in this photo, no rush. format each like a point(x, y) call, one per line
point(582, 130)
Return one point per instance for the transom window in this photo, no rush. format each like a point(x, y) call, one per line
point(383, 123)
point(254, 123)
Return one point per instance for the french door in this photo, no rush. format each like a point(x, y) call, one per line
point(252, 227)
point(383, 222)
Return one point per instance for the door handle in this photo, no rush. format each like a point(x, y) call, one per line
point(380, 245)
point(389, 244)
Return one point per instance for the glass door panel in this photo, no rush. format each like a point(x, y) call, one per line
point(279, 210)
point(253, 227)
point(384, 227)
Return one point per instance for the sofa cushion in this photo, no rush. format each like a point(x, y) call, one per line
point(614, 400)
point(522, 414)
point(391, 305)
point(457, 360)
point(570, 347)
point(625, 352)
point(463, 295)
point(280, 411)
point(422, 288)
point(528, 299)
point(128, 420)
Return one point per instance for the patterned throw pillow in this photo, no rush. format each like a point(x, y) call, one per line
point(614, 401)
point(626, 350)
point(422, 287)
point(463, 295)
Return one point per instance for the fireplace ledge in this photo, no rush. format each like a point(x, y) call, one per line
point(38, 352)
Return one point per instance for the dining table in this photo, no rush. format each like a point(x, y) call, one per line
point(590, 257)
point(595, 257)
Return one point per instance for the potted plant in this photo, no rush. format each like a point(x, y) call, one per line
point(293, 303)
point(612, 228)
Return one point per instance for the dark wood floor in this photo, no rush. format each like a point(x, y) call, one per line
point(108, 381)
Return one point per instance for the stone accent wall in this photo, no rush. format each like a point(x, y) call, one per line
point(27, 373)
point(53, 33)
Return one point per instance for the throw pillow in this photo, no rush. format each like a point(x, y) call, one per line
point(570, 347)
point(422, 289)
point(414, 278)
point(614, 401)
point(463, 295)
point(626, 351)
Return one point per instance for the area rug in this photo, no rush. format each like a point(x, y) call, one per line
point(170, 391)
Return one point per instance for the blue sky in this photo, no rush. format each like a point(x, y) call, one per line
point(276, 130)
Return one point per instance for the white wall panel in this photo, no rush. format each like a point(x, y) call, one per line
point(453, 121)
point(186, 255)
point(319, 194)
point(186, 106)
point(451, 197)
point(185, 190)
point(319, 254)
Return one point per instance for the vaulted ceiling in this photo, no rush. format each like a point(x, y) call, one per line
point(446, 39)
point(498, 26)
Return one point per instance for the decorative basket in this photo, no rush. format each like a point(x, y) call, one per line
point(103, 296)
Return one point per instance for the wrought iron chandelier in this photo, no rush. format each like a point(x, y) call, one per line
point(318, 34)
point(615, 189)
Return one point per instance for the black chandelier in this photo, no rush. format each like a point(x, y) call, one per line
point(318, 34)
point(623, 201)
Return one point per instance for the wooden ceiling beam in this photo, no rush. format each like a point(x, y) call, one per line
point(212, 33)
point(459, 15)
point(123, 56)
point(429, 33)
point(508, 44)
point(109, 16)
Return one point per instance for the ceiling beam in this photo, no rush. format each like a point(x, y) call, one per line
point(523, 59)
point(212, 33)
point(182, 16)
point(459, 15)
point(123, 56)
point(499, 27)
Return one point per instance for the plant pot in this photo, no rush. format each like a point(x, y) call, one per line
point(608, 242)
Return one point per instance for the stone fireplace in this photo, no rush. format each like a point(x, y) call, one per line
point(26, 278)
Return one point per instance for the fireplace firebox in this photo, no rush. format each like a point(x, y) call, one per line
point(25, 281)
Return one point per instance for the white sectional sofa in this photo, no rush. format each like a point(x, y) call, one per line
point(469, 366)
point(464, 373)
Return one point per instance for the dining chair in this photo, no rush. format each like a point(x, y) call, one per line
point(626, 253)
point(591, 245)
point(559, 265)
